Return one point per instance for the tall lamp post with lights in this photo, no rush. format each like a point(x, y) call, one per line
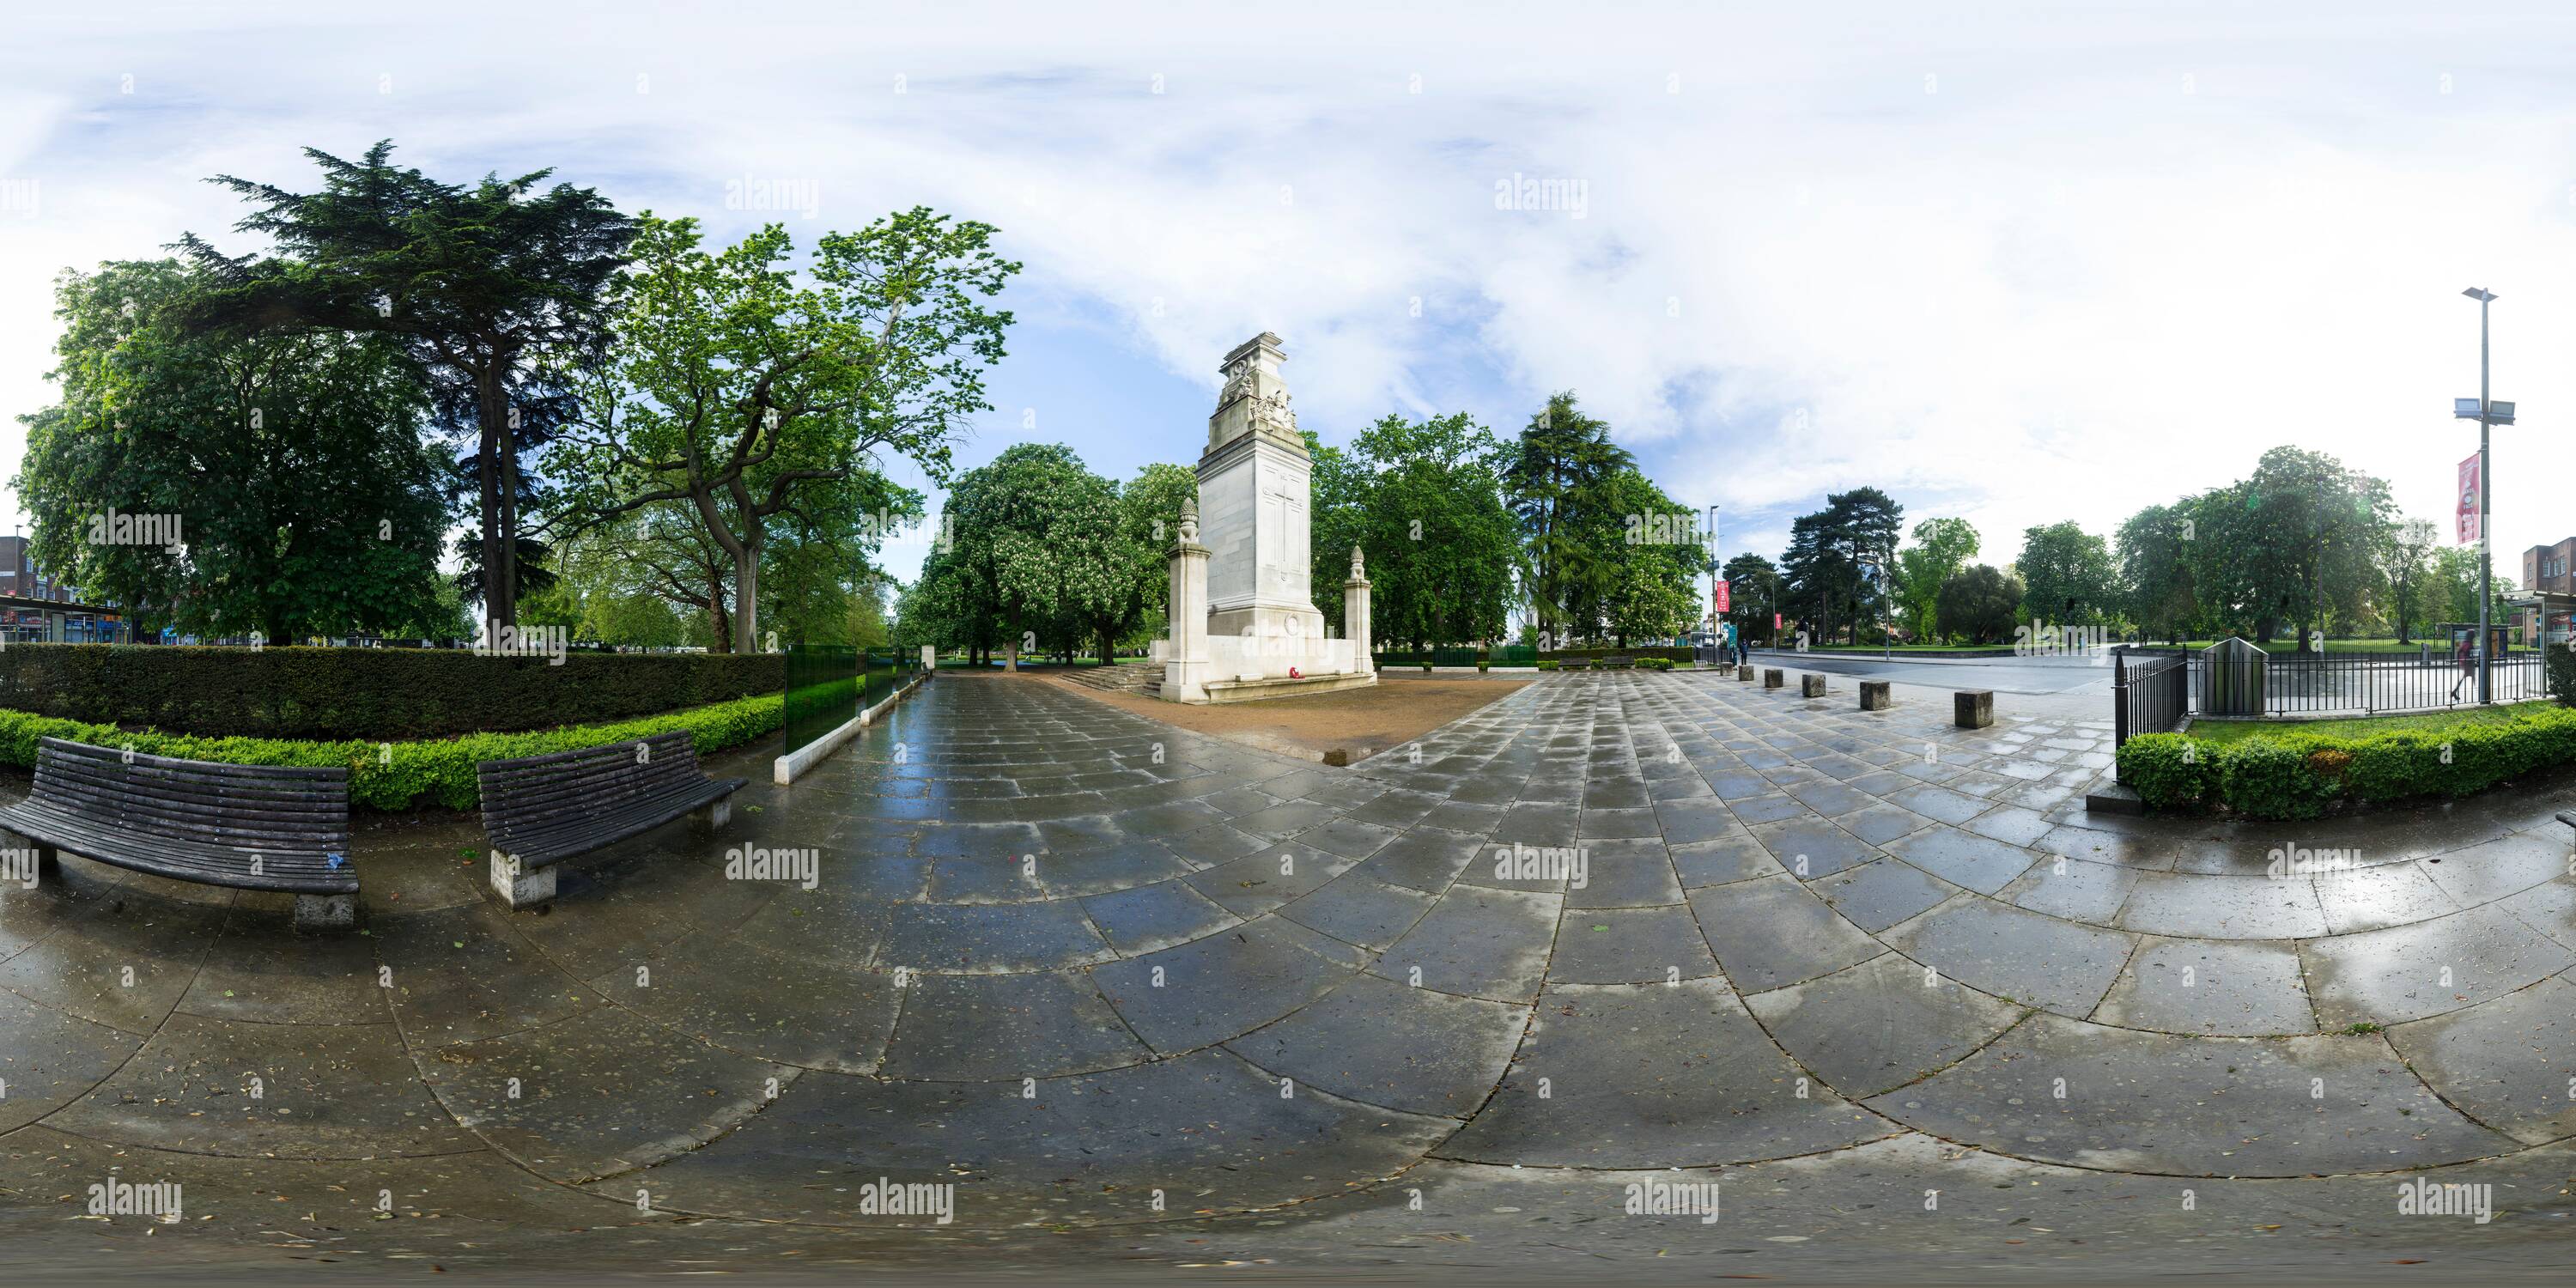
point(2488, 413)
point(1716, 621)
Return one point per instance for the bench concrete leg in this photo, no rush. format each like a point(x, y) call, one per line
point(326, 911)
point(518, 886)
point(1773, 678)
point(1811, 686)
point(1873, 695)
point(714, 817)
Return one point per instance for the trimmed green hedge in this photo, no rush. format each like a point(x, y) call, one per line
point(2295, 775)
point(1642, 651)
point(1654, 664)
point(398, 775)
point(338, 693)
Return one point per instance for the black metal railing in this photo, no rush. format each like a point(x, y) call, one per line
point(2321, 684)
point(2153, 690)
point(2150, 693)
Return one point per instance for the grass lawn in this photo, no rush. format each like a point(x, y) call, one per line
point(2363, 726)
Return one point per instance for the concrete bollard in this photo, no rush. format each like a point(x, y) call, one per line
point(1811, 685)
point(1873, 695)
point(1976, 708)
point(1772, 677)
point(1743, 672)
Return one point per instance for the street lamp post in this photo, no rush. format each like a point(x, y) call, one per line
point(2489, 414)
point(1716, 625)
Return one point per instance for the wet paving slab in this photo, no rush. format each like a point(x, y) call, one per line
point(1096, 971)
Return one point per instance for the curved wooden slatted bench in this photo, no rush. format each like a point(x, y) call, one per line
point(540, 810)
point(249, 827)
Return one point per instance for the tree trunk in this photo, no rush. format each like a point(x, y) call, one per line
point(498, 466)
point(746, 591)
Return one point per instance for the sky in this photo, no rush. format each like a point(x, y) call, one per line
point(2017, 264)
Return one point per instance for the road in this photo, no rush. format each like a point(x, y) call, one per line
point(2032, 675)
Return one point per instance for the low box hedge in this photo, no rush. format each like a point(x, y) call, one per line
point(1663, 651)
point(401, 775)
point(336, 693)
point(2294, 775)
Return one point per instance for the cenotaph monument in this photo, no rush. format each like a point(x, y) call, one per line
point(1244, 622)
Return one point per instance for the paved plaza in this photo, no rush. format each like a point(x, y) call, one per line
point(1143, 994)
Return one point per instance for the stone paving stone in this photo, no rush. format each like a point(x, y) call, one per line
point(1755, 810)
point(600, 1093)
point(2073, 889)
point(1654, 1076)
point(50, 1059)
point(2549, 908)
point(1880, 1024)
point(1151, 917)
point(1417, 1050)
point(2484, 873)
point(1357, 908)
point(1428, 859)
point(1811, 848)
point(2014, 954)
point(1259, 883)
point(987, 938)
point(1881, 893)
point(1706, 863)
point(1629, 946)
point(2010, 824)
point(1479, 943)
point(2427, 967)
point(2227, 987)
point(261, 970)
point(80, 967)
point(1625, 874)
point(2219, 907)
point(1685, 822)
point(324, 1091)
point(1208, 990)
point(2506, 1061)
point(1974, 862)
point(1124, 866)
point(1881, 823)
point(1944, 803)
point(2379, 897)
point(786, 1008)
point(2151, 1102)
point(1207, 1126)
point(1773, 932)
point(965, 1028)
point(461, 974)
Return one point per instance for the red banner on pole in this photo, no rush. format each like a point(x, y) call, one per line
point(1722, 589)
point(1775, 623)
point(2471, 487)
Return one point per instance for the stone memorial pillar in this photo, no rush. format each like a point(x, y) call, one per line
point(1355, 617)
point(1185, 668)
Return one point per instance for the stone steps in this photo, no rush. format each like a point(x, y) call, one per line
point(1126, 677)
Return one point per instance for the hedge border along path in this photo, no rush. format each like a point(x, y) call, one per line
point(394, 776)
point(339, 694)
point(2297, 776)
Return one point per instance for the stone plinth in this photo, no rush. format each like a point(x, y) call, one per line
point(1873, 695)
point(1773, 677)
point(1744, 673)
point(1976, 708)
point(1811, 685)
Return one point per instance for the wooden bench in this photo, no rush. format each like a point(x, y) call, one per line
point(540, 810)
point(248, 827)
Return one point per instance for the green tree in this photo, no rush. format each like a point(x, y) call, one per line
point(2405, 562)
point(482, 284)
point(1149, 516)
point(1941, 548)
point(1557, 482)
point(756, 399)
point(1752, 595)
point(307, 503)
point(1832, 554)
point(1423, 500)
point(1656, 593)
point(2154, 548)
point(2067, 575)
point(1978, 605)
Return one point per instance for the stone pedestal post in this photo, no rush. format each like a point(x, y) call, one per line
point(1355, 617)
point(929, 658)
point(1185, 667)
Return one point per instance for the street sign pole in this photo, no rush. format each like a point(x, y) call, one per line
point(2486, 482)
